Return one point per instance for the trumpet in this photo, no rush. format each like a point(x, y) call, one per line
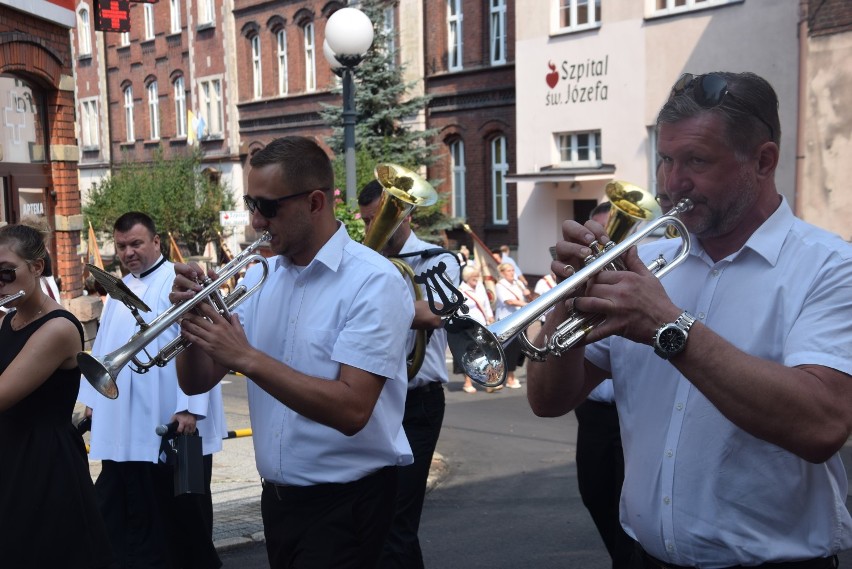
point(102, 373)
point(11, 297)
point(485, 360)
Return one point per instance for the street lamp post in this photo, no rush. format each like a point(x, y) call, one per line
point(348, 36)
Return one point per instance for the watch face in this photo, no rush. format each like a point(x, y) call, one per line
point(672, 340)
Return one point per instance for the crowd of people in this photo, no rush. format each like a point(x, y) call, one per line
point(712, 404)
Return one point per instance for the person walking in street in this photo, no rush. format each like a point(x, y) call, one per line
point(478, 307)
point(424, 403)
point(147, 524)
point(49, 515)
point(322, 344)
point(733, 374)
point(512, 295)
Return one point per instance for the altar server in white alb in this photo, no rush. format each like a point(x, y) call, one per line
point(147, 524)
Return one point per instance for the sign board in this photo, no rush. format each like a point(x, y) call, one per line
point(233, 218)
point(112, 15)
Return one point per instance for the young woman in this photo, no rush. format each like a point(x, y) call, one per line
point(49, 514)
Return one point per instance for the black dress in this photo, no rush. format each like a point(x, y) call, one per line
point(49, 516)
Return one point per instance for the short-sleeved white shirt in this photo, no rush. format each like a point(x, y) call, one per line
point(348, 306)
point(698, 490)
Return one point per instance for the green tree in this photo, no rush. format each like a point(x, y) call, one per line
point(174, 192)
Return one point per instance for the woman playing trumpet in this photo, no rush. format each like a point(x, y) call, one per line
point(49, 514)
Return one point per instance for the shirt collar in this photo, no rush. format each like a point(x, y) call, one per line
point(153, 268)
point(411, 244)
point(330, 255)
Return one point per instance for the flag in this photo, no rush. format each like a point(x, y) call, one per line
point(486, 263)
point(191, 126)
point(175, 256)
point(201, 124)
point(93, 254)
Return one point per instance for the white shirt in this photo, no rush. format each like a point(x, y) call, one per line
point(476, 300)
point(698, 490)
point(434, 368)
point(507, 291)
point(123, 428)
point(348, 306)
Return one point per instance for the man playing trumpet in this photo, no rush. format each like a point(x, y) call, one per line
point(732, 374)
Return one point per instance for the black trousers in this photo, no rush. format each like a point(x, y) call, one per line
point(600, 474)
point(328, 526)
point(424, 415)
point(148, 526)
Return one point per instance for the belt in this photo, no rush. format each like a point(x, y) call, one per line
point(427, 387)
point(651, 562)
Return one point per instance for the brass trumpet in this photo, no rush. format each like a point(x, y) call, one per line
point(485, 360)
point(404, 190)
point(102, 373)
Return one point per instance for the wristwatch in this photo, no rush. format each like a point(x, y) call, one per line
point(670, 339)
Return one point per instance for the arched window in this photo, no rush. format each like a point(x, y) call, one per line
point(257, 72)
point(499, 170)
point(153, 110)
point(310, 58)
point(180, 107)
point(84, 32)
point(128, 114)
point(281, 40)
point(456, 148)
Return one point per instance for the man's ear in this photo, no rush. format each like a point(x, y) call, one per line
point(767, 159)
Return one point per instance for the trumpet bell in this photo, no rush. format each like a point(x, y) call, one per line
point(482, 356)
point(404, 190)
point(630, 205)
point(97, 375)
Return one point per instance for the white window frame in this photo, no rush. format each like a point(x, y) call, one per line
point(572, 7)
point(84, 31)
point(458, 170)
point(148, 16)
point(310, 57)
point(499, 190)
point(497, 38)
point(653, 8)
point(179, 89)
point(570, 143)
point(210, 98)
point(455, 43)
point(90, 138)
point(124, 38)
point(281, 42)
point(129, 135)
point(389, 31)
point(256, 67)
point(175, 24)
point(153, 110)
point(207, 12)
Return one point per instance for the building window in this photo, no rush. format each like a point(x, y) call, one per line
point(89, 131)
point(310, 59)
point(84, 32)
point(389, 31)
point(499, 170)
point(257, 77)
point(153, 111)
point(579, 148)
point(211, 106)
point(206, 12)
point(283, 86)
point(180, 108)
point(454, 35)
point(175, 16)
point(457, 165)
point(149, 21)
point(665, 7)
point(498, 32)
point(128, 114)
point(578, 14)
point(124, 38)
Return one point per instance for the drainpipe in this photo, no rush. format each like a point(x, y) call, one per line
point(801, 108)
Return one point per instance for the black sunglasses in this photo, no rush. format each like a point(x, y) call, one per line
point(269, 207)
point(710, 91)
point(8, 275)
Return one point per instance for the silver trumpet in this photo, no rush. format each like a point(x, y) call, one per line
point(11, 297)
point(102, 373)
point(484, 360)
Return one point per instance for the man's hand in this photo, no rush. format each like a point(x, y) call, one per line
point(186, 422)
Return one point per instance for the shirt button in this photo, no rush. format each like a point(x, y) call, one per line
point(701, 315)
point(667, 501)
point(679, 406)
point(715, 272)
point(669, 453)
point(669, 547)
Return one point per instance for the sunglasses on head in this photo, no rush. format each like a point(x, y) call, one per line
point(8, 275)
point(710, 91)
point(269, 207)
